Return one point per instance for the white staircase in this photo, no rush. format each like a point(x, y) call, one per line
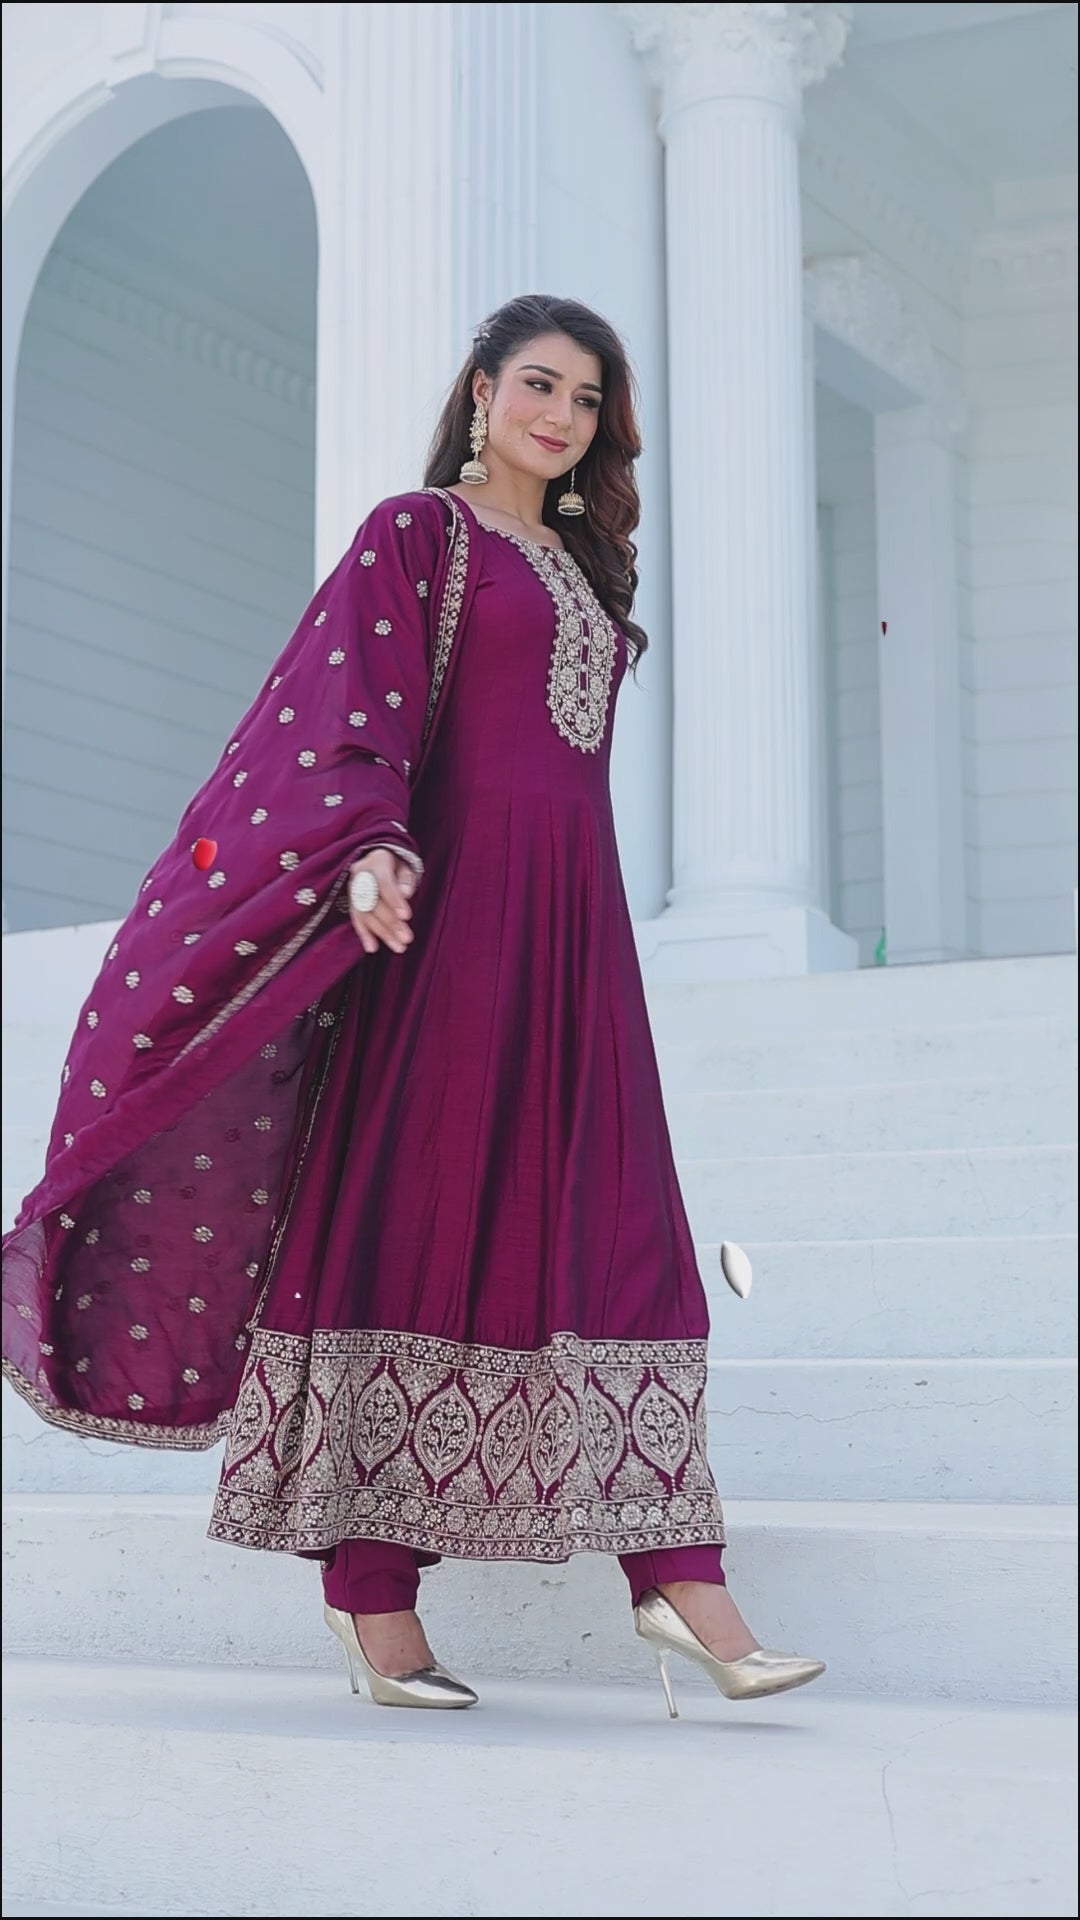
point(892, 1426)
point(892, 1411)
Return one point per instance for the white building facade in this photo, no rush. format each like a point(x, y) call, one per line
point(244, 249)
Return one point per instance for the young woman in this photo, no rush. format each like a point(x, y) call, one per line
point(405, 1226)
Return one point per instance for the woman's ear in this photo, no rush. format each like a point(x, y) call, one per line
point(481, 388)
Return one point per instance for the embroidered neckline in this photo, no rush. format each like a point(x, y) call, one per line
point(522, 540)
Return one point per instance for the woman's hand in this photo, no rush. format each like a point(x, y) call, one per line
point(389, 918)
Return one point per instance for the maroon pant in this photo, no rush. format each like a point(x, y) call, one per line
point(374, 1576)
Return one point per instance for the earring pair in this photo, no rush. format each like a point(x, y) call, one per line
point(475, 474)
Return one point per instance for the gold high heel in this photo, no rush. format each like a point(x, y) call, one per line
point(750, 1678)
point(427, 1687)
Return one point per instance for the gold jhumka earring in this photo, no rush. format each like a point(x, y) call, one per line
point(571, 503)
point(474, 473)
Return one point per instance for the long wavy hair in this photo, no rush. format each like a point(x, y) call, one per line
point(602, 540)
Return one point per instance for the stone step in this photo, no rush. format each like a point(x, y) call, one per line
point(910, 1601)
point(984, 1430)
point(950, 1298)
point(912, 1429)
point(146, 1790)
point(883, 1116)
point(955, 994)
point(988, 1191)
point(702, 1061)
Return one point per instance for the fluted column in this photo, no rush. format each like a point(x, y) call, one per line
point(426, 220)
point(743, 898)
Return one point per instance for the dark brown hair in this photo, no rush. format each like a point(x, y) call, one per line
point(602, 541)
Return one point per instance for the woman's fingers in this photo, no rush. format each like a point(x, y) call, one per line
point(388, 921)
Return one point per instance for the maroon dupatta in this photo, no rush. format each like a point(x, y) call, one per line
point(140, 1254)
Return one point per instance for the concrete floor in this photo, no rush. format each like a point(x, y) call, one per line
point(210, 1791)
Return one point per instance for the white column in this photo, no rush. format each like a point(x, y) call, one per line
point(426, 219)
point(921, 746)
point(744, 898)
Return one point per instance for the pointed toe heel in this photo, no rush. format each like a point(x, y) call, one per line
point(753, 1677)
point(427, 1687)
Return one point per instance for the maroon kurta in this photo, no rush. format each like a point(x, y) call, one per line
point(477, 1327)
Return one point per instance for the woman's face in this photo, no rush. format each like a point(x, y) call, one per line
point(544, 407)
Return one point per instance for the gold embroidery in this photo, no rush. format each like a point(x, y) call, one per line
point(583, 657)
point(453, 596)
point(475, 1451)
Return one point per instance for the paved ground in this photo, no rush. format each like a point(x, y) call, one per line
point(180, 1791)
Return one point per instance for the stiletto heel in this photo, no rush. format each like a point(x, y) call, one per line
point(753, 1677)
point(661, 1661)
point(427, 1687)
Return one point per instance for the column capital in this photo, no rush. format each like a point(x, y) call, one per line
point(738, 49)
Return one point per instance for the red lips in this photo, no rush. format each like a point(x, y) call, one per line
point(203, 854)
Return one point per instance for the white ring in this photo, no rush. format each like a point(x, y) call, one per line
point(363, 892)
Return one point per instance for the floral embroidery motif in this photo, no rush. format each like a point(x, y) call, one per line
point(184, 995)
point(191, 938)
point(332, 799)
point(113, 950)
point(91, 1019)
point(216, 880)
point(583, 1445)
point(337, 658)
point(154, 908)
point(306, 897)
point(583, 656)
point(358, 719)
point(142, 1041)
point(320, 618)
point(393, 698)
point(287, 714)
point(135, 1401)
point(307, 758)
point(131, 979)
point(239, 778)
point(66, 1222)
point(69, 1139)
point(195, 1305)
point(260, 814)
point(190, 1376)
point(403, 519)
point(203, 1233)
point(383, 626)
point(203, 1162)
point(139, 1333)
point(452, 600)
point(288, 861)
point(233, 746)
point(367, 558)
point(98, 1089)
point(245, 948)
point(422, 589)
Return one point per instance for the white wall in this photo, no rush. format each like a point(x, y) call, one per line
point(600, 238)
point(847, 548)
point(1018, 566)
point(162, 500)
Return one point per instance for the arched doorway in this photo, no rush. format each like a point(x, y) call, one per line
point(162, 498)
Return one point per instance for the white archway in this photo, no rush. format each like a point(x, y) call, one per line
point(146, 70)
point(58, 158)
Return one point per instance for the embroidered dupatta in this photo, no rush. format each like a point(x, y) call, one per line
point(132, 1277)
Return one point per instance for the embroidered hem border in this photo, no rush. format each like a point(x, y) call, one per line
point(471, 1451)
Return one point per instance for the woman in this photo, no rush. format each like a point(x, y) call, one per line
point(408, 1231)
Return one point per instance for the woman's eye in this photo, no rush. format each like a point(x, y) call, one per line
point(542, 386)
point(593, 405)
